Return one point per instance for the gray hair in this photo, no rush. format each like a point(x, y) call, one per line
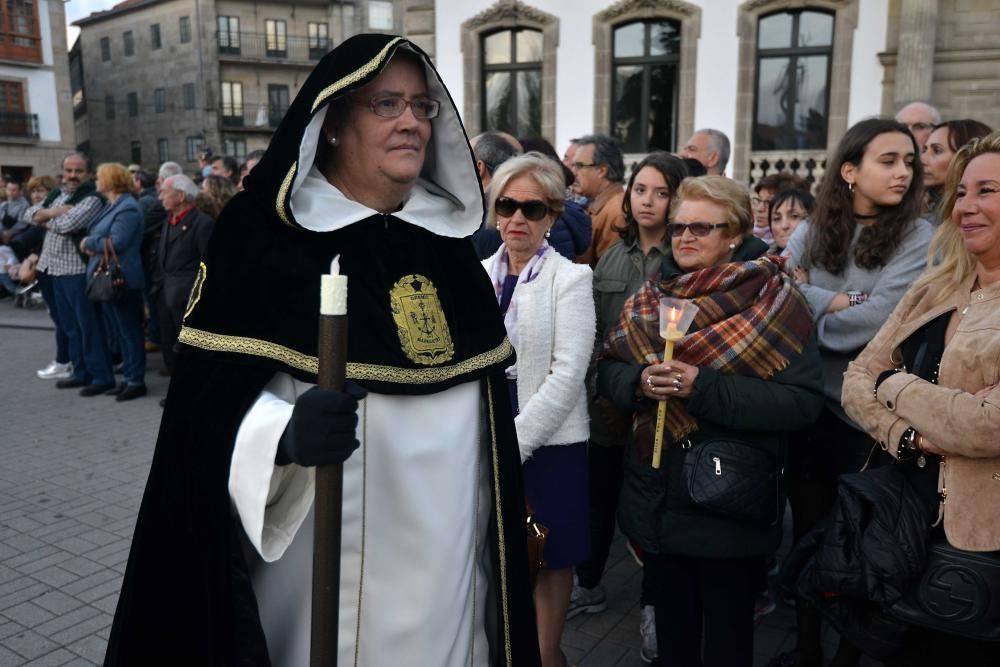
point(168, 169)
point(607, 152)
point(720, 144)
point(931, 110)
point(545, 171)
point(182, 184)
point(493, 150)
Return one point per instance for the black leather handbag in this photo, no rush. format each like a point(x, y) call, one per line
point(734, 478)
point(957, 594)
point(107, 283)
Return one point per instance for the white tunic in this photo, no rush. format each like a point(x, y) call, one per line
point(416, 504)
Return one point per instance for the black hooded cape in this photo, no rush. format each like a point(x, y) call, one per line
point(186, 597)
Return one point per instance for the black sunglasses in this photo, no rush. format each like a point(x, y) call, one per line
point(676, 229)
point(533, 209)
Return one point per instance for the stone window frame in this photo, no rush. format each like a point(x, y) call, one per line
point(184, 29)
point(128, 43)
point(105, 45)
point(508, 15)
point(845, 21)
point(631, 11)
point(155, 38)
point(163, 149)
point(511, 68)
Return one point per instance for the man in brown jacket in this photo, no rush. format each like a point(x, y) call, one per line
point(600, 169)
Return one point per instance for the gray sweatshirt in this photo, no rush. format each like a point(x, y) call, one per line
point(844, 333)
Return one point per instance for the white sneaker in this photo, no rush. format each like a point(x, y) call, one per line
point(56, 371)
point(586, 601)
point(647, 628)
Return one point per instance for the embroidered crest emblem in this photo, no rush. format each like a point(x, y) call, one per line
point(195, 295)
point(420, 322)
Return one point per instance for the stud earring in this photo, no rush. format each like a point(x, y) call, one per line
point(333, 141)
point(732, 246)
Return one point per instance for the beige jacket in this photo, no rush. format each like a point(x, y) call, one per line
point(947, 414)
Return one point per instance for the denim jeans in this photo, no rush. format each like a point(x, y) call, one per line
point(127, 318)
point(49, 295)
point(87, 343)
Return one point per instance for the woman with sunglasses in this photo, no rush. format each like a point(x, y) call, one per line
point(745, 373)
point(620, 272)
point(548, 307)
point(853, 259)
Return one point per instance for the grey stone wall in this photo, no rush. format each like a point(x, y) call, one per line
point(965, 81)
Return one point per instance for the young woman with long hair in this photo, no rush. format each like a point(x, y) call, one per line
point(853, 259)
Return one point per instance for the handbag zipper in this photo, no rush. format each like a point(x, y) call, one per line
point(718, 466)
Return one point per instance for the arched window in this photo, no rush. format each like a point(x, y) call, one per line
point(644, 85)
point(794, 54)
point(512, 82)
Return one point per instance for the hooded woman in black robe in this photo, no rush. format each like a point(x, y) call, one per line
point(208, 580)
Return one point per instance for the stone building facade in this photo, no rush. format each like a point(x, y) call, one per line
point(947, 52)
point(36, 121)
point(165, 79)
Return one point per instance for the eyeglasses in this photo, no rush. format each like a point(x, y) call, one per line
point(393, 106)
point(577, 166)
point(533, 209)
point(757, 201)
point(919, 127)
point(676, 229)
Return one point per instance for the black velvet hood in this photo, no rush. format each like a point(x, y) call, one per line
point(423, 317)
point(257, 295)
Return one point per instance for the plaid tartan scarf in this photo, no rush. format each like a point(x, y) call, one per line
point(751, 321)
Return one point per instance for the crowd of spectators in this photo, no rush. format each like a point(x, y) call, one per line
point(811, 297)
point(55, 233)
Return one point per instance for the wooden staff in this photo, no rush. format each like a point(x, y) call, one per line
point(328, 505)
point(673, 335)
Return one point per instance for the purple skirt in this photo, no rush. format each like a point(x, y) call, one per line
point(555, 482)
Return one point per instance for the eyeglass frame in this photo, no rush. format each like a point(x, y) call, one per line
point(689, 226)
point(407, 103)
point(520, 206)
point(919, 126)
point(577, 166)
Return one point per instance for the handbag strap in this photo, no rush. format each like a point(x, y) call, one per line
point(109, 247)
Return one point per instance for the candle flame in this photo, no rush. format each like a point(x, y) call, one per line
point(675, 314)
point(335, 266)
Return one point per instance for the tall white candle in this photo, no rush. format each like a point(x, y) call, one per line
point(333, 291)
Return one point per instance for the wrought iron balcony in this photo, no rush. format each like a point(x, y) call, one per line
point(18, 125)
point(251, 118)
point(255, 46)
point(809, 164)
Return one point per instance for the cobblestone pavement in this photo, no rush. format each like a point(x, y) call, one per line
point(71, 481)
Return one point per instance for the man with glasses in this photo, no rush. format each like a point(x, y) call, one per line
point(600, 169)
point(921, 118)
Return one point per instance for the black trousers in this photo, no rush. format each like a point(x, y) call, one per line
point(607, 469)
point(704, 609)
point(170, 328)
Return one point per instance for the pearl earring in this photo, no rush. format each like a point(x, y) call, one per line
point(333, 141)
point(548, 233)
point(732, 246)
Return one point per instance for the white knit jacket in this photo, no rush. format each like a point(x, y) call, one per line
point(556, 326)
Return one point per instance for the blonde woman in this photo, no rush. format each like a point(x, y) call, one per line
point(946, 409)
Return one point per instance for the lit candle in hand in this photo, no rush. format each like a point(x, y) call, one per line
point(333, 291)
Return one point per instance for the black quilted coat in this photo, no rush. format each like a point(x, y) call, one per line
point(655, 509)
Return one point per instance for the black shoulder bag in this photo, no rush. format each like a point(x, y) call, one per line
point(108, 282)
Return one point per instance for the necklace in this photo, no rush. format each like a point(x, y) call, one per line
point(858, 216)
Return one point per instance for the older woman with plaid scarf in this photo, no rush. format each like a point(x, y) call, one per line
point(746, 373)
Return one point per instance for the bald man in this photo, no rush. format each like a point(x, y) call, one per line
point(921, 118)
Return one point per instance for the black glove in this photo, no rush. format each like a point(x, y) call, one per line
point(322, 428)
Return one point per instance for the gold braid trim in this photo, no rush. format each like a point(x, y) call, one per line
point(261, 348)
point(354, 76)
point(341, 83)
point(286, 185)
point(501, 543)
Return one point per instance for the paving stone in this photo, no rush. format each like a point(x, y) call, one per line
point(9, 658)
point(30, 644)
point(28, 614)
point(90, 648)
point(56, 577)
point(57, 658)
point(82, 630)
point(68, 620)
point(56, 602)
